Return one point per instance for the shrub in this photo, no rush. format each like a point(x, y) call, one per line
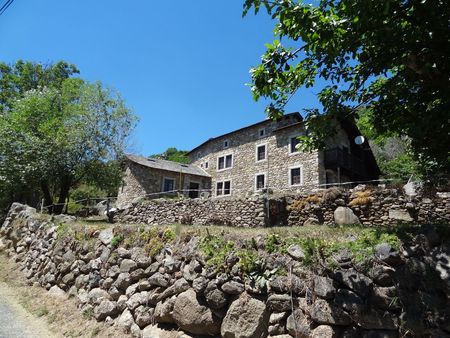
point(314, 199)
point(272, 243)
point(297, 205)
point(248, 260)
point(116, 240)
point(216, 250)
point(362, 198)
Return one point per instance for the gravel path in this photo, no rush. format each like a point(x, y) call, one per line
point(15, 321)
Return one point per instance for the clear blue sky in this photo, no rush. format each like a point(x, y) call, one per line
point(180, 65)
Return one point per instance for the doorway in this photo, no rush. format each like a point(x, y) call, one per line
point(194, 189)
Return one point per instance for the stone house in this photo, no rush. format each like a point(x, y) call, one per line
point(259, 158)
point(264, 156)
point(155, 178)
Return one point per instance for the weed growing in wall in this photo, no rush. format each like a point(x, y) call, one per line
point(362, 198)
point(361, 245)
point(116, 240)
point(216, 249)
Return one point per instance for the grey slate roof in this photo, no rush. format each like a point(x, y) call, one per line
point(294, 115)
point(167, 165)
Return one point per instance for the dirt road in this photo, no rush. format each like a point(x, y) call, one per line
point(15, 321)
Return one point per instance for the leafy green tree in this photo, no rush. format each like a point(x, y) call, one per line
point(392, 56)
point(393, 153)
point(173, 154)
point(55, 136)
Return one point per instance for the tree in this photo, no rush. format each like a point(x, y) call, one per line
point(393, 153)
point(391, 56)
point(173, 154)
point(55, 136)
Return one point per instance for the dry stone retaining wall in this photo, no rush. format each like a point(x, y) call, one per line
point(248, 212)
point(377, 207)
point(401, 294)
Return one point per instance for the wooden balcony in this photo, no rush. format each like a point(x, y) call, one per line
point(337, 158)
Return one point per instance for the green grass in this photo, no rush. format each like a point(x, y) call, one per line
point(217, 243)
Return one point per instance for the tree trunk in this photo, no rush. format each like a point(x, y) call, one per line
point(66, 182)
point(48, 200)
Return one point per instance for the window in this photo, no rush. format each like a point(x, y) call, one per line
point(260, 181)
point(221, 163)
point(293, 145)
point(168, 184)
point(295, 176)
point(226, 143)
point(224, 162)
point(206, 165)
point(223, 188)
point(228, 161)
point(262, 132)
point(261, 152)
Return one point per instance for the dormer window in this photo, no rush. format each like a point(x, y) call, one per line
point(293, 145)
point(226, 144)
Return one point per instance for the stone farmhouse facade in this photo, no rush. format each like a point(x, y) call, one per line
point(253, 160)
point(155, 178)
point(264, 156)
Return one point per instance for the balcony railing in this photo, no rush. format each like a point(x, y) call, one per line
point(336, 157)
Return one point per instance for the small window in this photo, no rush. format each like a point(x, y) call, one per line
point(260, 181)
point(262, 132)
point(261, 152)
point(168, 185)
point(224, 162)
point(223, 188)
point(206, 165)
point(201, 165)
point(226, 143)
point(293, 145)
point(295, 176)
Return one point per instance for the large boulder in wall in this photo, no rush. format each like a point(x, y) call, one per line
point(247, 317)
point(194, 317)
point(345, 216)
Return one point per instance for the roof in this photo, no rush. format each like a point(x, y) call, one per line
point(167, 165)
point(294, 115)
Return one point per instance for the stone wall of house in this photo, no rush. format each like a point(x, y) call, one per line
point(279, 160)
point(396, 294)
point(140, 181)
point(248, 212)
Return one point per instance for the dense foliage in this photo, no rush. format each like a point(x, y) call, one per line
point(393, 153)
point(57, 130)
point(173, 154)
point(392, 56)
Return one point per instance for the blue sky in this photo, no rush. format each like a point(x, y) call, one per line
point(180, 65)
